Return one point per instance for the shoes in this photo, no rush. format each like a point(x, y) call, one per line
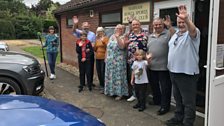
point(93, 85)
point(162, 111)
point(80, 89)
point(118, 98)
point(136, 106)
point(140, 109)
point(52, 76)
point(174, 122)
point(132, 98)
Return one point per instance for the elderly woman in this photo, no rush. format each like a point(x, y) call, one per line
point(100, 51)
point(115, 81)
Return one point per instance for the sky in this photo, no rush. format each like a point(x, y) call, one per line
point(33, 2)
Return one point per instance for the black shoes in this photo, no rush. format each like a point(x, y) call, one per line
point(162, 111)
point(174, 122)
point(141, 109)
point(80, 89)
point(136, 106)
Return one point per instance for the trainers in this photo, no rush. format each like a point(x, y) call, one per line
point(132, 98)
point(51, 76)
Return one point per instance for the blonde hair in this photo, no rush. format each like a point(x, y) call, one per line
point(140, 52)
point(100, 29)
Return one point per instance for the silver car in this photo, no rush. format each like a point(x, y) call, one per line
point(4, 46)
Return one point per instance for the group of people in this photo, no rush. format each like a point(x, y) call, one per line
point(127, 62)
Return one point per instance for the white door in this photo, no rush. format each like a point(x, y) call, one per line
point(215, 66)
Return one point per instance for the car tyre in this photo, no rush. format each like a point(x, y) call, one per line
point(9, 86)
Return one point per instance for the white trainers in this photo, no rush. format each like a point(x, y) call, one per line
point(132, 98)
point(52, 76)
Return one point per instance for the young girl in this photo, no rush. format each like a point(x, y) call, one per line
point(139, 78)
point(84, 50)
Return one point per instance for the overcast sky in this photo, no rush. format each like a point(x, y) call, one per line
point(33, 2)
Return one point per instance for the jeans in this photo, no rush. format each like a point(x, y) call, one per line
point(51, 56)
point(161, 87)
point(100, 67)
point(184, 91)
point(140, 91)
point(85, 70)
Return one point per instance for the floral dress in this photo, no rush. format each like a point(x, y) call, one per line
point(115, 71)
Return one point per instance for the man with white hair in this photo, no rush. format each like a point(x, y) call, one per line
point(183, 59)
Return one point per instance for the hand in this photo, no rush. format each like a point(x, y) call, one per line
point(132, 82)
point(130, 18)
point(149, 57)
point(167, 21)
point(80, 44)
point(182, 12)
point(87, 50)
point(83, 59)
point(126, 40)
point(75, 19)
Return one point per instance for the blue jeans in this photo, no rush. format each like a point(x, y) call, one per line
point(51, 56)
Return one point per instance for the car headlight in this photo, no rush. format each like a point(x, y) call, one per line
point(32, 69)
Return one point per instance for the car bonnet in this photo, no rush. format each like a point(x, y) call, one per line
point(21, 110)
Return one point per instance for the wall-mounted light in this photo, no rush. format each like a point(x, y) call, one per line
point(91, 13)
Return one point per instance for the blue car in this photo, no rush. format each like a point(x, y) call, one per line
point(24, 110)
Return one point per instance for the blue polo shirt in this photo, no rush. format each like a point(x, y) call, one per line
point(183, 56)
point(90, 35)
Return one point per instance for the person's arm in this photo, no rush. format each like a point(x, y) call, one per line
point(75, 29)
point(132, 78)
point(168, 24)
point(78, 48)
point(184, 16)
point(120, 42)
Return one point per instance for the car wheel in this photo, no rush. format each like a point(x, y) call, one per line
point(9, 86)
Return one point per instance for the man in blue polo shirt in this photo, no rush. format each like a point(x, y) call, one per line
point(183, 59)
point(90, 36)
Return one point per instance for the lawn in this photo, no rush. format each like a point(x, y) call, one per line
point(37, 51)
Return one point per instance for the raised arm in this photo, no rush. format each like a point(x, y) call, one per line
point(184, 16)
point(167, 22)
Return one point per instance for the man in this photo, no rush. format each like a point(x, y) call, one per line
point(136, 40)
point(183, 62)
point(158, 72)
point(90, 36)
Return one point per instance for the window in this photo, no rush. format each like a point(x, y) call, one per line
point(69, 22)
point(108, 19)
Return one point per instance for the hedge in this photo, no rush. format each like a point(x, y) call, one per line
point(7, 30)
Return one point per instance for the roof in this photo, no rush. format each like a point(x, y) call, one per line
point(76, 4)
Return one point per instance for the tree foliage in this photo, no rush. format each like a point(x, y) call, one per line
point(22, 22)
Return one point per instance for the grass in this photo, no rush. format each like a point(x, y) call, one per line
point(37, 51)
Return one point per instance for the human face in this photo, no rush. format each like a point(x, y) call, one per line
point(83, 37)
point(100, 33)
point(119, 30)
point(51, 31)
point(139, 56)
point(85, 26)
point(135, 26)
point(181, 25)
point(158, 26)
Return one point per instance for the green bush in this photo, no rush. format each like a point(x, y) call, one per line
point(47, 23)
point(7, 30)
point(27, 27)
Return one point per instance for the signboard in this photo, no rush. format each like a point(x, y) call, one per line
point(139, 11)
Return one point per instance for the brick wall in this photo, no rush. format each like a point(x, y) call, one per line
point(68, 40)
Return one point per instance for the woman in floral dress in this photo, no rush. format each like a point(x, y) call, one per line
point(115, 71)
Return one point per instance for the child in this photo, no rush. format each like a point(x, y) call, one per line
point(85, 51)
point(139, 78)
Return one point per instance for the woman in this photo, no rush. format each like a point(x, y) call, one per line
point(52, 50)
point(100, 50)
point(115, 71)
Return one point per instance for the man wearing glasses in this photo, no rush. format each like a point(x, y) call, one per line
point(183, 59)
